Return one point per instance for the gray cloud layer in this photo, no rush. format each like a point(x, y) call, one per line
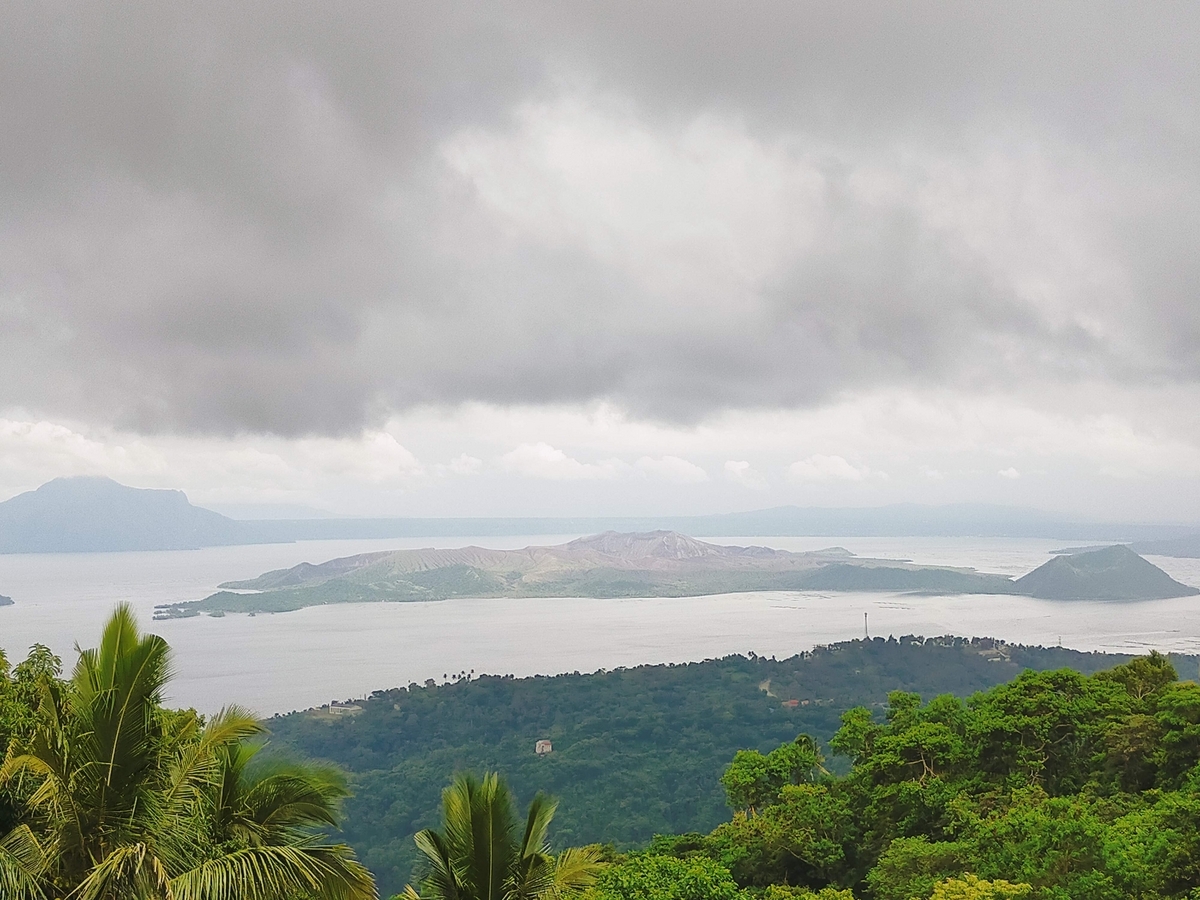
point(297, 217)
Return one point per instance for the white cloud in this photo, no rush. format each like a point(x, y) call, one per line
point(675, 469)
point(1010, 472)
point(257, 469)
point(375, 457)
point(739, 471)
point(1125, 457)
point(541, 460)
point(819, 468)
point(463, 464)
point(700, 211)
point(33, 452)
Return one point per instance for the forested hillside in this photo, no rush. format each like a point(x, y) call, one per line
point(1055, 786)
point(636, 752)
point(676, 782)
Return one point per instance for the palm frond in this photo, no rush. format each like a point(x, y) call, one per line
point(482, 853)
point(537, 824)
point(328, 872)
point(133, 870)
point(138, 801)
point(51, 797)
point(486, 863)
point(116, 693)
point(23, 863)
point(441, 879)
point(197, 765)
point(575, 870)
point(232, 723)
point(286, 796)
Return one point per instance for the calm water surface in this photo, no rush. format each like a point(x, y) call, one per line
point(276, 663)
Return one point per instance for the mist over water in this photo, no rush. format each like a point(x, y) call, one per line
point(276, 663)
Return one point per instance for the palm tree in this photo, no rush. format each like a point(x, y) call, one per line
point(483, 853)
point(134, 801)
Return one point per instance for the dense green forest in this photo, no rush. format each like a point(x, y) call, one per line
point(1028, 773)
point(1055, 786)
point(636, 752)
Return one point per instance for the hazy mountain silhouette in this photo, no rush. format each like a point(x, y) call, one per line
point(98, 514)
point(896, 520)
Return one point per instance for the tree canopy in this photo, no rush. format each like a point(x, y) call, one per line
point(483, 852)
point(1054, 786)
point(637, 751)
point(110, 795)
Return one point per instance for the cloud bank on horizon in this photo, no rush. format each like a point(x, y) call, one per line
point(841, 253)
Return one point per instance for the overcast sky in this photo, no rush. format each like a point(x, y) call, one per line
point(586, 258)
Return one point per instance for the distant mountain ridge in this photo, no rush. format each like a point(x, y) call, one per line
point(97, 514)
point(895, 520)
point(84, 514)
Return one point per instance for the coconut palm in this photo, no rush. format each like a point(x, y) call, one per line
point(135, 801)
point(484, 853)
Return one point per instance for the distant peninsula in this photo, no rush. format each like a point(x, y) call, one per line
point(5, 601)
point(1186, 547)
point(657, 564)
point(72, 515)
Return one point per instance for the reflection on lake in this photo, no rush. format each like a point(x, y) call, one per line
point(293, 660)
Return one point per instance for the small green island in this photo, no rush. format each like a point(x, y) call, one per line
point(661, 564)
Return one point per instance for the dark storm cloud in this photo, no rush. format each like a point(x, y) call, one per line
point(241, 217)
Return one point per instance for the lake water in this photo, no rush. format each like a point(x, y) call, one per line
point(276, 663)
